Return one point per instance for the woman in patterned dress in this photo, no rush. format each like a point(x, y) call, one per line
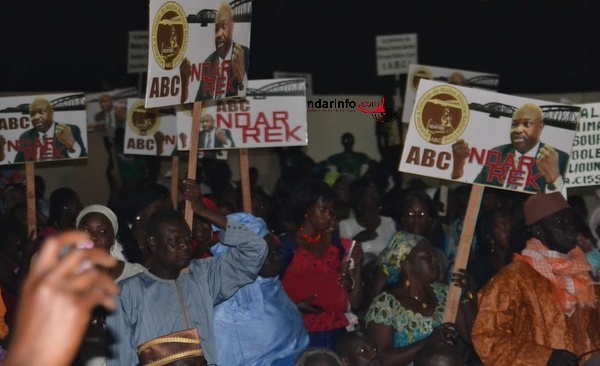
point(408, 314)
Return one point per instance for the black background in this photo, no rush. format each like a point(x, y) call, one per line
point(536, 46)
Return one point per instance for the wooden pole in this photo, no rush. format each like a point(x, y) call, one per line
point(31, 204)
point(462, 255)
point(444, 199)
point(175, 180)
point(193, 158)
point(245, 178)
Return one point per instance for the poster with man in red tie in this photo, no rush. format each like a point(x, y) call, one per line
point(200, 50)
point(42, 127)
point(498, 140)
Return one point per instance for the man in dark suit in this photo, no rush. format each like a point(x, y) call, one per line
point(526, 163)
point(211, 137)
point(49, 140)
point(108, 116)
point(229, 56)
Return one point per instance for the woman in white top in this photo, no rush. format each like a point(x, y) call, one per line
point(368, 227)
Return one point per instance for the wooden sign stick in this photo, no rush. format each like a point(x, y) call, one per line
point(175, 180)
point(31, 202)
point(245, 179)
point(464, 247)
point(193, 159)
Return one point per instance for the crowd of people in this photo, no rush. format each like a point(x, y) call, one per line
point(327, 269)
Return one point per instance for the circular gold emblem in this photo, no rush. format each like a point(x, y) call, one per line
point(441, 115)
point(169, 35)
point(142, 121)
point(418, 74)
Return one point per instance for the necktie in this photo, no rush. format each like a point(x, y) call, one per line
point(46, 149)
point(208, 141)
point(522, 174)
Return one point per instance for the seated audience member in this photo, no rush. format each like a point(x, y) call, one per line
point(64, 208)
point(408, 315)
point(318, 356)
point(438, 354)
point(133, 212)
point(419, 216)
point(16, 250)
point(542, 308)
point(315, 269)
point(371, 229)
point(178, 294)
point(593, 256)
point(594, 221)
point(493, 245)
point(3, 326)
point(259, 325)
point(66, 281)
point(357, 349)
point(101, 225)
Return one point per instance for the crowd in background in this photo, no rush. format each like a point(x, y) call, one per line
point(355, 269)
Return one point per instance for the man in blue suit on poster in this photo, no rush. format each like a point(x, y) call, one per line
point(526, 164)
point(227, 73)
point(211, 137)
point(48, 139)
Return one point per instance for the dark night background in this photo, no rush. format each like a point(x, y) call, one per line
point(536, 46)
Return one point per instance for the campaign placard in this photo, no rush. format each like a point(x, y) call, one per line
point(584, 166)
point(472, 79)
point(106, 111)
point(498, 140)
point(395, 53)
point(42, 127)
point(150, 131)
point(137, 52)
point(199, 50)
point(273, 113)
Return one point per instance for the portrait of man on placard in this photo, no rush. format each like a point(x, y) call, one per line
point(47, 139)
point(212, 137)
point(229, 63)
point(537, 167)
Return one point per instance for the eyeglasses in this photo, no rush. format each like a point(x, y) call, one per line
point(362, 349)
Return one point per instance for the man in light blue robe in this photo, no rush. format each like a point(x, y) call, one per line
point(172, 296)
point(259, 325)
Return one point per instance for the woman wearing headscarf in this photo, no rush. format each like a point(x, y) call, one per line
point(408, 314)
point(101, 224)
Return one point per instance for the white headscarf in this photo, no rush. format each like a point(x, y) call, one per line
point(116, 250)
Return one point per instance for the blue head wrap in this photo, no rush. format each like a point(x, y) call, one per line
point(252, 223)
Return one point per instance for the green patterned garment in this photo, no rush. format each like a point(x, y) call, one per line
point(409, 327)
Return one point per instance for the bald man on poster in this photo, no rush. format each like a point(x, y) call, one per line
point(46, 139)
point(542, 167)
point(229, 56)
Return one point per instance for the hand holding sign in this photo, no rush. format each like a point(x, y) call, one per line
point(460, 153)
point(64, 135)
point(547, 163)
point(239, 69)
